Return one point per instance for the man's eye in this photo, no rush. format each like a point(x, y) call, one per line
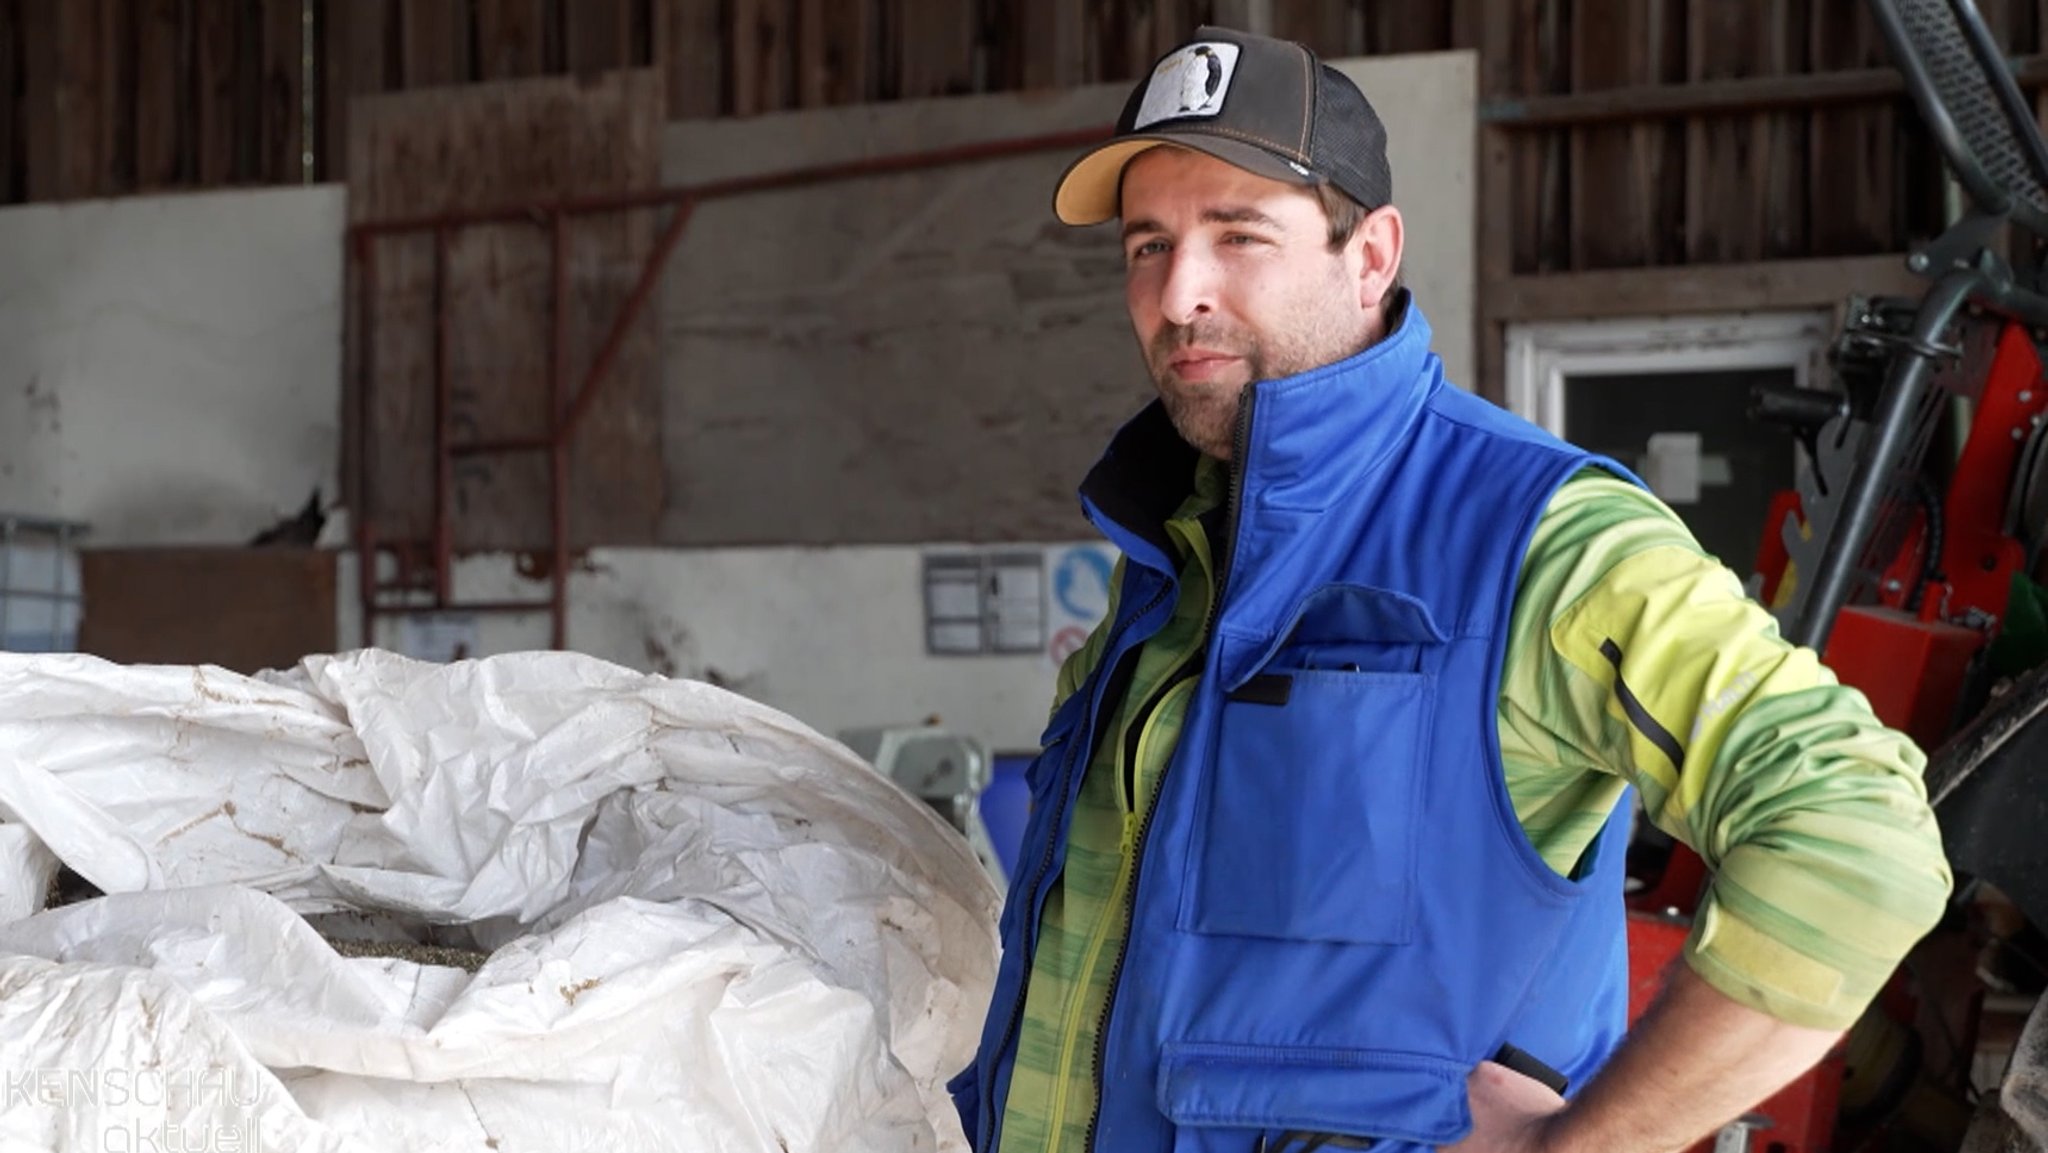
point(1241, 238)
point(1149, 248)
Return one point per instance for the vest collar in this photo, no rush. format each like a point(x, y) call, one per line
point(1310, 437)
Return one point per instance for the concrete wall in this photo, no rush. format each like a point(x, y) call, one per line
point(170, 366)
point(931, 356)
point(902, 361)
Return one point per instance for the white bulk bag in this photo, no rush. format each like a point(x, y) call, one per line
point(707, 926)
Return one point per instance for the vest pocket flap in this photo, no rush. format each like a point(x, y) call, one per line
point(1362, 612)
point(1356, 1093)
point(1349, 625)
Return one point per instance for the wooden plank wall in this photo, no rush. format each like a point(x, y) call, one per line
point(101, 97)
point(1745, 193)
point(418, 153)
point(1841, 180)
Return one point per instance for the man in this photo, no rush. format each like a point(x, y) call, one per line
point(1328, 815)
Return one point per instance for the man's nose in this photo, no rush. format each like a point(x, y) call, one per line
point(1190, 288)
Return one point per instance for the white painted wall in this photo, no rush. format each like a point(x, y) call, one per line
point(170, 366)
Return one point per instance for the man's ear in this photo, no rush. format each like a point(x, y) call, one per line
point(1378, 254)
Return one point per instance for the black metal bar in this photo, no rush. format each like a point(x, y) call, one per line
point(1941, 125)
point(1890, 431)
point(2023, 305)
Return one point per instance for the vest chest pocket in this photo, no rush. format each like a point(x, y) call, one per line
point(1307, 820)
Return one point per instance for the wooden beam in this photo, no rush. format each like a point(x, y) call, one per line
point(762, 55)
point(1853, 160)
point(118, 68)
point(511, 40)
point(1745, 181)
point(1714, 97)
point(65, 58)
point(353, 62)
point(1770, 284)
point(163, 136)
point(937, 48)
point(1327, 29)
point(434, 43)
point(1172, 24)
point(40, 139)
point(1617, 171)
point(1532, 49)
point(1783, 138)
point(217, 121)
point(10, 108)
point(1246, 15)
point(689, 48)
point(1139, 30)
point(279, 156)
point(1391, 29)
point(1495, 227)
point(813, 73)
point(1660, 146)
point(1470, 20)
point(600, 34)
point(850, 40)
point(1053, 43)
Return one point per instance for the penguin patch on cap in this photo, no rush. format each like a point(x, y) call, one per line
point(1190, 82)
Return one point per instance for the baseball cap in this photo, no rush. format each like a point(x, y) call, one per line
point(1267, 106)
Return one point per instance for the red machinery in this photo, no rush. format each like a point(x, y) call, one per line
point(1906, 557)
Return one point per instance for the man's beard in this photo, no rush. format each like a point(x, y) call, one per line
point(1205, 413)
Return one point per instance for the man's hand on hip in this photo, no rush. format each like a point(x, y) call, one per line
point(1511, 1113)
point(1693, 1063)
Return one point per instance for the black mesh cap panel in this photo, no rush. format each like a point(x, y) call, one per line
point(1351, 141)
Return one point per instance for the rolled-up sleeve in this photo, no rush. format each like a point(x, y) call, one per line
point(1645, 661)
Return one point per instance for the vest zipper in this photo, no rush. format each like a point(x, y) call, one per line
point(1240, 439)
point(1232, 505)
point(987, 1095)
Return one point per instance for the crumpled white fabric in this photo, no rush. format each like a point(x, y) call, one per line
point(710, 927)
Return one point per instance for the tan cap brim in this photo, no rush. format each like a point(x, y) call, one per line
point(1090, 190)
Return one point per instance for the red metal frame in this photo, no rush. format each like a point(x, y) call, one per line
point(1978, 556)
point(1910, 664)
point(566, 408)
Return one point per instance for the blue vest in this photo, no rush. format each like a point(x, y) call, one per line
point(1336, 914)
